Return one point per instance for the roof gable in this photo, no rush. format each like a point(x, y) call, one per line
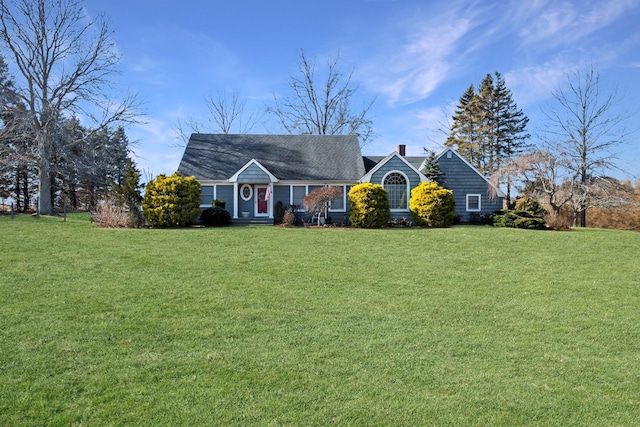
point(499, 191)
point(253, 162)
point(381, 163)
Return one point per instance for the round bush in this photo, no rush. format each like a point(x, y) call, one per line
point(215, 217)
point(369, 206)
point(172, 201)
point(432, 205)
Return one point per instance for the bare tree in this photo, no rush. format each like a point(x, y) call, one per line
point(227, 111)
point(546, 179)
point(322, 107)
point(66, 61)
point(226, 114)
point(584, 130)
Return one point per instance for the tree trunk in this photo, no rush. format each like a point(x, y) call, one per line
point(45, 205)
point(25, 188)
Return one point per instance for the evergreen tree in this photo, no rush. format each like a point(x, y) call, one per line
point(16, 144)
point(489, 146)
point(510, 131)
point(431, 169)
point(488, 128)
point(466, 127)
point(129, 191)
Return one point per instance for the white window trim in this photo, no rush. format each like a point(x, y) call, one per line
point(406, 178)
point(255, 204)
point(479, 196)
point(250, 192)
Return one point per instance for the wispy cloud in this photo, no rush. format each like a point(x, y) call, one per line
point(425, 53)
point(535, 82)
point(558, 23)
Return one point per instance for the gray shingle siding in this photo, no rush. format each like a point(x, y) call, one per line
point(395, 164)
point(253, 174)
point(462, 180)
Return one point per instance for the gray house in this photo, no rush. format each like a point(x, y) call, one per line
point(252, 173)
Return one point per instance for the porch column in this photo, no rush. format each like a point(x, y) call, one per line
point(271, 201)
point(235, 200)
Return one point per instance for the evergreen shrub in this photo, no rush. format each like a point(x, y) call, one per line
point(215, 217)
point(527, 214)
point(278, 212)
point(369, 206)
point(432, 205)
point(172, 201)
point(219, 203)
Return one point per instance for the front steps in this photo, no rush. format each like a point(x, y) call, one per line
point(252, 221)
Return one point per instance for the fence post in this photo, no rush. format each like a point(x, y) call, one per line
point(64, 212)
point(11, 210)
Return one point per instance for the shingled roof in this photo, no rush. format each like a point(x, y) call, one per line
point(216, 157)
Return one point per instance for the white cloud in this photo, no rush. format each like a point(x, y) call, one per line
point(562, 23)
point(423, 55)
point(533, 83)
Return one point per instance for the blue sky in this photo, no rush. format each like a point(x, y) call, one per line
point(414, 57)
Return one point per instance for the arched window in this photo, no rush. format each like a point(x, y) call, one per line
point(397, 190)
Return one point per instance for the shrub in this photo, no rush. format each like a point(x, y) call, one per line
point(531, 205)
point(288, 219)
point(110, 215)
point(215, 217)
point(369, 206)
point(172, 201)
point(432, 205)
point(478, 218)
point(219, 203)
point(527, 214)
point(278, 212)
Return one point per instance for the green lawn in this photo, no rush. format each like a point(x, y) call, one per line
point(302, 327)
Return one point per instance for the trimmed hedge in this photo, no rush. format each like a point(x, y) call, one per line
point(369, 206)
point(432, 205)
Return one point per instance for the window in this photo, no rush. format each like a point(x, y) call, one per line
point(299, 191)
point(397, 189)
point(246, 192)
point(338, 204)
point(473, 202)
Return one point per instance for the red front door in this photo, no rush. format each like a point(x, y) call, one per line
point(263, 204)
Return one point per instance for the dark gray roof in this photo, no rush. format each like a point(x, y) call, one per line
point(289, 157)
point(370, 162)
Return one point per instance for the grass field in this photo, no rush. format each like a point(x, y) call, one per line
point(303, 327)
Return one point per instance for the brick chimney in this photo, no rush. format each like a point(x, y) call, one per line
point(402, 149)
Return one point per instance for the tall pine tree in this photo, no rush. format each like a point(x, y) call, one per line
point(488, 128)
point(466, 126)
